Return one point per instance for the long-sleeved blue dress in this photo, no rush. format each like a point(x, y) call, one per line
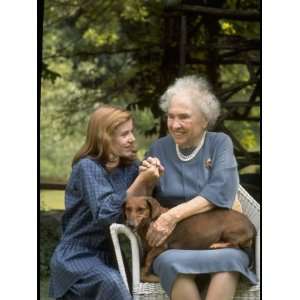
point(212, 174)
point(82, 266)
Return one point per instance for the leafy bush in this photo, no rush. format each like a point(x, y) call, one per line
point(49, 237)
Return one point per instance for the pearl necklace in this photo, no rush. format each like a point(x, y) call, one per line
point(189, 157)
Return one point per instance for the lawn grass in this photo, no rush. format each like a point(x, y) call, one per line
point(44, 284)
point(49, 200)
point(52, 200)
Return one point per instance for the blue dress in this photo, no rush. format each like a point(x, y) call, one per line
point(212, 174)
point(82, 266)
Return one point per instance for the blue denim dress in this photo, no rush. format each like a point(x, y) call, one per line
point(212, 174)
point(82, 266)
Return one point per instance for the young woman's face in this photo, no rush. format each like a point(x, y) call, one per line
point(185, 123)
point(123, 140)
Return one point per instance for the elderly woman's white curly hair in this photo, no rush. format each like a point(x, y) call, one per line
point(200, 93)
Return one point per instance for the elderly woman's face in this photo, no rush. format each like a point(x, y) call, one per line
point(185, 123)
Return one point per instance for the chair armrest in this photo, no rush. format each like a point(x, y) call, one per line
point(257, 255)
point(252, 209)
point(115, 230)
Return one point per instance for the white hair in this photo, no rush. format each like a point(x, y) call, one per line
point(200, 93)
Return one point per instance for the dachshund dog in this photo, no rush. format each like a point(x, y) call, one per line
point(217, 228)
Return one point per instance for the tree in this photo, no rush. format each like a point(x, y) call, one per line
point(127, 52)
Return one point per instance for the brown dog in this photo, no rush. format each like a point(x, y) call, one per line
point(217, 228)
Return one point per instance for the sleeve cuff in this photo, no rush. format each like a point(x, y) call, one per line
point(217, 198)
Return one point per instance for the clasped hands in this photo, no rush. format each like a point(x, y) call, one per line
point(152, 163)
point(165, 224)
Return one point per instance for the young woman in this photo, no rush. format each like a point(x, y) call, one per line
point(104, 172)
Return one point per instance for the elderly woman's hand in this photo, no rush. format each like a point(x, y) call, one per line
point(150, 174)
point(160, 230)
point(150, 162)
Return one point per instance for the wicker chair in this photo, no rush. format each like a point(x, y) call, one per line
point(153, 291)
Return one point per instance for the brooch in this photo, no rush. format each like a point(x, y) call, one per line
point(208, 163)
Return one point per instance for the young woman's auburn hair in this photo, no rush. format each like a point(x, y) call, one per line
point(101, 127)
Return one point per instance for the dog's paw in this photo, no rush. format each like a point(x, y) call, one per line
point(220, 245)
point(148, 277)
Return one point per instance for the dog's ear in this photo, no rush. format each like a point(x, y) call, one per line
point(154, 207)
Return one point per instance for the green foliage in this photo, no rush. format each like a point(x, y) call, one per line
point(247, 133)
point(49, 237)
point(94, 47)
point(115, 52)
point(48, 74)
point(230, 74)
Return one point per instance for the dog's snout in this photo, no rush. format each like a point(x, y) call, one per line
point(136, 210)
point(131, 224)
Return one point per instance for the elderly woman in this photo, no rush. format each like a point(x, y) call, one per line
point(199, 173)
point(104, 172)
